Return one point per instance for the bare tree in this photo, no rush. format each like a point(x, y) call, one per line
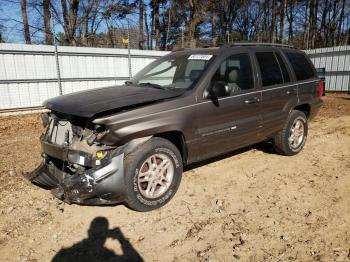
point(306, 21)
point(347, 38)
point(197, 12)
point(323, 31)
point(266, 20)
point(273, 22)
point(213, 28)
point(341, 18)
point(169, 24)
point(88, 17)
point(141, 16)
point(155, 22)
point(282, 16)
point(70, 19)
point(25, 22)
point(333, 23)
point(2, 40)
point(290, 18)
point(313, 21)
point(164, 24)
point(149, 38)
point(47, 18)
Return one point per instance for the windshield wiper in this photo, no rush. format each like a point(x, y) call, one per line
point(152, 85)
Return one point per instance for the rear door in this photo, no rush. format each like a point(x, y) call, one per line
point(278, 90)
point(232, 121)
point(305, 75)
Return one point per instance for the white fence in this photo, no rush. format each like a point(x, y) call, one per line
point(28, 73)
point(336, 61)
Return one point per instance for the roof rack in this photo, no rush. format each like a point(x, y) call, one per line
point(178, 49)
point(202, 47)
point(257, 44)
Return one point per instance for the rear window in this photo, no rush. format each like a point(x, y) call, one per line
point(269, 68)
point(301, 66)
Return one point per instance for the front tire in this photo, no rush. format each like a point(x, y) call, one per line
point(291, 139)
point(152, 174)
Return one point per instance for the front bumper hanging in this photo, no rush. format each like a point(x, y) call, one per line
point(96, 186)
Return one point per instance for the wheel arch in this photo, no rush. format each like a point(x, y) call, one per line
point(178, 139)
point(305, 108)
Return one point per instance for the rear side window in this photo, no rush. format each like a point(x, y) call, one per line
point(301, 66)
point(283, 68)
point(269, 68)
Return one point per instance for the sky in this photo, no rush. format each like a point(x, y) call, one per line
point(9, 14)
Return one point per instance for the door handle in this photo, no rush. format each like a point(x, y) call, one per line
point(252, 100)
point(291, 91)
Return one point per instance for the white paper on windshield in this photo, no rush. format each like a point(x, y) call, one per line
point(200, 57)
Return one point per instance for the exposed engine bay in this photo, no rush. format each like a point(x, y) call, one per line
point(77, 141)
point(76, 167)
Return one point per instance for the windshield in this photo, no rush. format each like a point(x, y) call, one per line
point(177, 71)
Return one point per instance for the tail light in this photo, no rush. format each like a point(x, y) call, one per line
point(320, 88)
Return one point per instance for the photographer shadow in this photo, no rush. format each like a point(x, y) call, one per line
point(93, 249)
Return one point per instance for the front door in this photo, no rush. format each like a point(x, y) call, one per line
point(232, 120)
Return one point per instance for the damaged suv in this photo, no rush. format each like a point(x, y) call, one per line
point(128, 144)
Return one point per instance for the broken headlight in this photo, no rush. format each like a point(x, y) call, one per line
point(103, 157)
point(86, 159)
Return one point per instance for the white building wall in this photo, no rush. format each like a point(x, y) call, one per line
point(28, 73)
point(336, 61)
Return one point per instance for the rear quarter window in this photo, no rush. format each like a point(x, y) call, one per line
point(301, 66)
point(284, 70)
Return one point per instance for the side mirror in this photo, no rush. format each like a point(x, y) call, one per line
point(219, 89)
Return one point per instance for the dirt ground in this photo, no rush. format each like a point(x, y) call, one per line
point(251, 205)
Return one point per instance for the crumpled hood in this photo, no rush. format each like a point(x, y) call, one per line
point(92, 102)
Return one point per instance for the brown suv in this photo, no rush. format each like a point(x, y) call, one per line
point(129, 143)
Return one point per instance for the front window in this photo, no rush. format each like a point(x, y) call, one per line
point(177, 71)
point(235, 72)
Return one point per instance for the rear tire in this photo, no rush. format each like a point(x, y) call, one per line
point(291, 139)
point(152, 174)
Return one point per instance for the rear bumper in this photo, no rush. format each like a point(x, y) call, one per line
point(96, 186)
